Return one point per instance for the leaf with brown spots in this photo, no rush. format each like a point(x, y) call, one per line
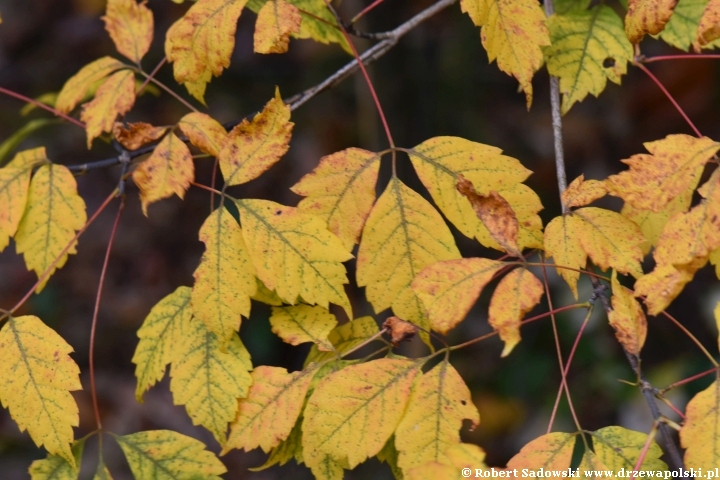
point(137, 134)
point(627, 318)
point(204, 132)
point(114, 97)
point(580, 192)
point(647, 17)
point(276, 21)
point(130, 25)
point(709, 26)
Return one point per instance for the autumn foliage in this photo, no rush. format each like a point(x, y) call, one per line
point(342, 409)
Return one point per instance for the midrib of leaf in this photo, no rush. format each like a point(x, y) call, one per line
point(599, 232)
point(48, 224)
point(289, 244)
point(404, 225)
point(501, 19)
point(302, 327)
point(249, 157)
point(199, 27)
point(596, 12)
point(159, 465)
point(438, 409)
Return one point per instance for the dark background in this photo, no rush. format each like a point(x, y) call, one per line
point(437, 81)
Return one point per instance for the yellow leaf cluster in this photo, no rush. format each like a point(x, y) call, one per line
point(276, 21)
point(130, 25)
point(647, 17)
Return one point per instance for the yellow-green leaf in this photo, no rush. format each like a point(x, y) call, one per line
point(552, 451)
point(160, 338)
point(671, 168)
point(268, 414)
point(201, 42)
point(403, 235)
point(344, 338)
point(449, 289)
point(516, 294)
point(204, 132)
point(164, 454)
point(618, 447)
point(439, 403)
point(276, 21)
point(303, 323)
point(253, 147)
point(681, 30)
point(207, 380)
point(14, 185)
point(130, 25)
point(697, 435)
point(588, 48)
point(265, 295)
point(102, 472)
point(54, 213)
point(341, 191)
point(169, 170)
point(36, 378)
point(78, 85)
point(294, 254)
point(225, 278)
point(55, 467)
point(353, 412)
point(627, 318)
point(114, 97)
point(563, 245)
point(513, 32)
point(647, 17)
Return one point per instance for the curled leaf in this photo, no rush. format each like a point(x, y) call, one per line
point(137, 134)
point(400, 330)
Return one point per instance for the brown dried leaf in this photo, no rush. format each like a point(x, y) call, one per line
point(137, 134)
point(400, 330)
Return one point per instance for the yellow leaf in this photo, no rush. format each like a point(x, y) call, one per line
point(253, 147)
point(276, 21)
point(439, 403)
point(552, 451)
point(294, 254)
point(137, 134)
point(196, 88)
point(580, 192)
point(709, 25)
point(169, 170)
point(681, 30)
point(204, 132)
point(647, 17)
point(403, 235)
point(160, 338)
point(449, 289)
point(673, 166)
point(516, 294)
point(77, 86)
point(303, 323)
point(627, 318)
point(698, 432)
point(168, 454)
point(207, 380)
point(28, 159)
point(662, 285)
point(353, 412)
point(268, 414)
point(55, 467)
point(265, 295)
point(225, 278)
point(341, 190)
point(14, 185)
point(36, 378)
point(588, 48)
point(563, 245)
point(54, 213)
point(618, 447)
point(461, 456)
point(344, 338)
point(114, 97)
point(512, 32)
point(201, 42)
point(130, 26)
point(288, 449)
point(591, 466)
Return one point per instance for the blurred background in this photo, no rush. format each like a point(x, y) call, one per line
point(436, 81)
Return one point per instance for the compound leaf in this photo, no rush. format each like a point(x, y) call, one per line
point(663, 284)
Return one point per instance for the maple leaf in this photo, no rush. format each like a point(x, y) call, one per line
point(449, 289)
point(673, 166)
point(207, 380)
point(137, 134)
point(709, 26)
point(580, 192)
point(294, 254)
point(200, 43)
point(55, 467)
point(513, 32)
point(439, 403)
point(204, 132)
point(276, 21)
point(627, 318)
point(681, 30)
point(114, 97)
point(14, 185)
point(516, 294)
point(618, 447)
point(402, 235)
point(160, 338)
point(303, 323)
point(341, 190)
point(253, 147)
point(647, 16)
point(130, 25)
point(269, 412)
point(351, 413)
point(78, 85)
point(552, 451)
point(588, 48)
point(54, 213)
point(168, 170)
point(225, 278)
point(36, 378)
point(344, 338)
point(168, 454)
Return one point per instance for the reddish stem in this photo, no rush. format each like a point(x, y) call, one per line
point(50, 109)
point(689, 379)
point(670, 97)
point(152, 75)
point(205, 187)
point(661, 58)
point(93, 328)
point(212, 185)
point(365, 10)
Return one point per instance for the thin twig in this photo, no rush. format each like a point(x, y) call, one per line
point(54, 111)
